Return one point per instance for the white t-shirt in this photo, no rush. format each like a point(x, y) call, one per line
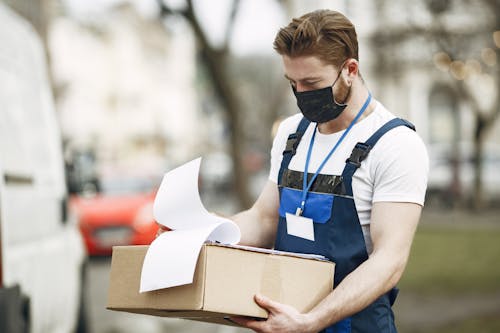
point(396, 169)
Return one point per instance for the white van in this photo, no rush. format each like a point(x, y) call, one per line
point(42, 257)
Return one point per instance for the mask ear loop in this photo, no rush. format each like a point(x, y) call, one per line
point(348, 94)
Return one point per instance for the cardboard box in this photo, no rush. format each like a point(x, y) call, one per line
point(225, 281)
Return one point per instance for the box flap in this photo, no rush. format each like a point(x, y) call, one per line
point(123, 294)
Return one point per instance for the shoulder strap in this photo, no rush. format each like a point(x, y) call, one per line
point(291, 146)
point(361, 150)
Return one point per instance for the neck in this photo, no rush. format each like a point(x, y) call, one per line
point(359, 94)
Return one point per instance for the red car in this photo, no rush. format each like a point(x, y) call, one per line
point(120, 214)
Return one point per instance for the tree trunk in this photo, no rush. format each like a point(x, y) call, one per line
point(484, 123)
point(478, 199)
point(216, 63)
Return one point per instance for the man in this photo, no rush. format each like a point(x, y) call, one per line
point(359, 205)
point(367, 225)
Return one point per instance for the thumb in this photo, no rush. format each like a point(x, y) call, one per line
point(267, 303)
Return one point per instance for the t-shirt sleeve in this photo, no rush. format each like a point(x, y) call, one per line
point(287, 126)
point(401, 167)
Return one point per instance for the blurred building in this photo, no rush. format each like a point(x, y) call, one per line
point(125, 87)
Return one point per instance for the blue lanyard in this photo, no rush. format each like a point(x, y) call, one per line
point(306, 187)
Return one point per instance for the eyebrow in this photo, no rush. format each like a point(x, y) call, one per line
point(311, 78)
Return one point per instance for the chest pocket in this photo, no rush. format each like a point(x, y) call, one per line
point(320, 198)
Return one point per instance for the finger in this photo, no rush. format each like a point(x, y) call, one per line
point(267, 303)
point(256, 325)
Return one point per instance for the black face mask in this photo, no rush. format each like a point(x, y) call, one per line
point(319, 106)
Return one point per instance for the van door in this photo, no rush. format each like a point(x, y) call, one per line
point(41, 252)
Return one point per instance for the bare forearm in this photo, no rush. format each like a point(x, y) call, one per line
point(359, 289)
point(258, 224)
point(392, 229)
point(256, 230)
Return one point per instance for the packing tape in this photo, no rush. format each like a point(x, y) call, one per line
point(270, 284)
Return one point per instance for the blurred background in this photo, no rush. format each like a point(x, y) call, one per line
point(139, 87)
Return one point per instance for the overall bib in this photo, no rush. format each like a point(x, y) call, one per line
point(337, 231)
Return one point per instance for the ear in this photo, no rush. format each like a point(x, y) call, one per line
point(352, 66)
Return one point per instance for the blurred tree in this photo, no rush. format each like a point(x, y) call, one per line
point(215, 60)
point(464, 37)
point(220, 66)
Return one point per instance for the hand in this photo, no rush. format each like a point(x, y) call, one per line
point(282, 318)
point(161, 229)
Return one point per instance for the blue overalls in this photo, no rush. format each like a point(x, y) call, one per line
point(337, 231)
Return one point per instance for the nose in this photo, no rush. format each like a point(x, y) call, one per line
point(299, 87)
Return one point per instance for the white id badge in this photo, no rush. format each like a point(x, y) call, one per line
point(300, 226)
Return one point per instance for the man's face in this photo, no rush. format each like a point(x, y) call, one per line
point(310, 73)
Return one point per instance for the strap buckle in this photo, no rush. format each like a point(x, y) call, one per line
point(292, 143)
point(359, 153)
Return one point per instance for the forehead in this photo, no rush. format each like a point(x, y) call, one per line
point(299, 68)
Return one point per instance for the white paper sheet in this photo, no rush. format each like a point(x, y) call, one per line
point(171, 258)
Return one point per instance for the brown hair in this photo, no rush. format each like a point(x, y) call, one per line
point(327, 34)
